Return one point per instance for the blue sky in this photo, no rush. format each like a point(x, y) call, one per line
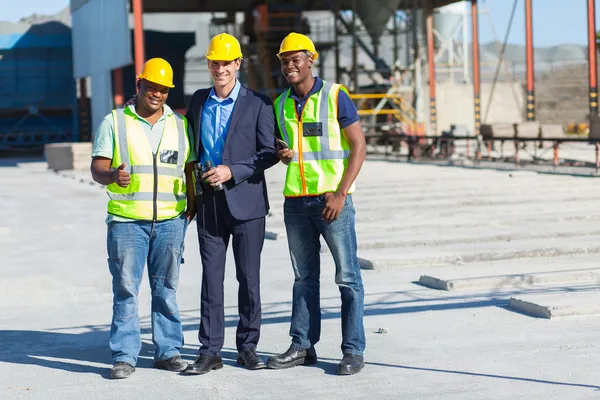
point(554, 22)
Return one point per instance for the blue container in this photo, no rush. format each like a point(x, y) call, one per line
point(38, 105)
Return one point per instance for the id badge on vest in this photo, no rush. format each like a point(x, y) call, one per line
point(169, 156)
point(312, 129)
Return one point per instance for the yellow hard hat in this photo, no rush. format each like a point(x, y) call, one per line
point(159, 71)
point(297, 42)
point(224, 47)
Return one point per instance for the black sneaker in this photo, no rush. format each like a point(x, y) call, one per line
point(121, 370)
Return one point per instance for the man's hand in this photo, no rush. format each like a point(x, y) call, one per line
point(121, 177)
point(285, 155)
point(334, 203)
point(131, 101)
point(219, 174)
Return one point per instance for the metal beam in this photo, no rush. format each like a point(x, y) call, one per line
point(138, 35)
point(530, 112)
point(431, 62)
point(593, 66)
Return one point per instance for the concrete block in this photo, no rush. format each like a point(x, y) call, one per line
point(553, 131)
point(594, 126)
point(513, 280)
point(497, 130)
point(68, 156)
point(528, 130)
point(271, 235)
point(561, 305)
point(366, 264)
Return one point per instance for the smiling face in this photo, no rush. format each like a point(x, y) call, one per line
point(223, 72)
point(151, 95)
point(296, 66)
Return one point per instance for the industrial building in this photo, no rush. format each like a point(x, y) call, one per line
point(408, 64)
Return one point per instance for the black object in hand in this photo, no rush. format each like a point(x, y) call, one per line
point(198, 171)
point(207, 167)
point(281, 144)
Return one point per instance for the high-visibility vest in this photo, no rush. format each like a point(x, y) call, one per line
point(320, 160)
point(157, 189)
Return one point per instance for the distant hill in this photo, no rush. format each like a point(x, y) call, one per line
point(514, 53)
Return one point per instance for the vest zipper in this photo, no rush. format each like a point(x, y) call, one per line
point(155, 194)
point(300, 137)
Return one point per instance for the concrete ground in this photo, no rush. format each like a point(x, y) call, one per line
point(422, 343)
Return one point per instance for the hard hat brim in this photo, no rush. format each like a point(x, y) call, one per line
point(156, 83)
point(314, 53)
point(213, 58)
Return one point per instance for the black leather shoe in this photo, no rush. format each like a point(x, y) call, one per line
point(249, 359)
point(351, 364)
point(311, 357)
point(176, 364)
point(204, 364)
point(121, 370)
point(292, 358)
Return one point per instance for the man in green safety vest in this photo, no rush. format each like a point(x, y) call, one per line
point(143, 154)
point(324, 150)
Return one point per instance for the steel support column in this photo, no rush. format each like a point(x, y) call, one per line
point(431, 63)
point(530, 112)
point(138, 35)
point(592, 61)
point(118, 87)
point(476, 69)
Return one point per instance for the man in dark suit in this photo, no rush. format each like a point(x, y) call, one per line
point(234, 131)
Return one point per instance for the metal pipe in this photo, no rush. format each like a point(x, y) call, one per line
point(593, 66)
point(529, 60)
point(354, 49)
point(476, 69)
point(83, 109)
point(336, 14)
point(395, 48)
point(465, 47)
point(118, 87)
point(138, 35)
point(431, 62)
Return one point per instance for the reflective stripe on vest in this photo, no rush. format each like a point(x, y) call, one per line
point(319, 162)
point(157, 189)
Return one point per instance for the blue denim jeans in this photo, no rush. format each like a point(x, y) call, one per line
point(130, 246)
point(304, 225)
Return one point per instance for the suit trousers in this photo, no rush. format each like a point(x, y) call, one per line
point(216, 227)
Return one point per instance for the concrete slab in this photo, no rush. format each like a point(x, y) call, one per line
point(462, 253)
point(563, 305)
point(513, 274)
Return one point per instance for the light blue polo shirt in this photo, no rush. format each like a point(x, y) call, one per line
point(216, 117)
point(104, 141)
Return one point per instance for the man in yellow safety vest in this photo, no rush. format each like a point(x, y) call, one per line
point(324, 150)
point(143, 154)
